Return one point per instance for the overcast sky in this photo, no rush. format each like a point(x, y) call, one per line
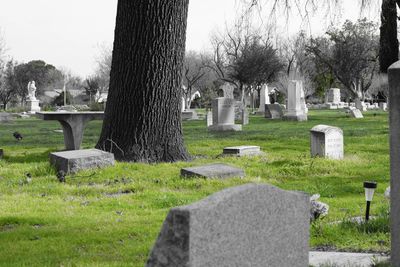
point(68, 33)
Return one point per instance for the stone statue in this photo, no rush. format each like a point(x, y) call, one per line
point(31, 91)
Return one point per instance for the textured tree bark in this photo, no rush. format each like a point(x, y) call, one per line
point(142, 118)
point(389, 45)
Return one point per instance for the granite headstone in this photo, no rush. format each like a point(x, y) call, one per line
point(248, 225)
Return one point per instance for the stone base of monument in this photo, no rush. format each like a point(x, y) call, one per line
point(225, 127)
point(189, 115)
point(76, 160)
point(32, 106)
point(241, 151)
point(295, 117)
point(217, 170)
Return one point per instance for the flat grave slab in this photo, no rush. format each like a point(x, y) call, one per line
point(76, 160)
point(216, 170)
point(242, 151)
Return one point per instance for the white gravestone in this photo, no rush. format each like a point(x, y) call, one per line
point(224, 115)
point(32, 102)
point(209, 118)
point(333, 96)
point(295, 110)
point(228, 90)
point(183, 108)
point(327, 142)
point(264, 98)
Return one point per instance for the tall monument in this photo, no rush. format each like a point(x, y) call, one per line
point(32, 103)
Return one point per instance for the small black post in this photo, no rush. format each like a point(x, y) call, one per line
point(367, 211)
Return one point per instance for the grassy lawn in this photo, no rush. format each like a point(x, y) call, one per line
point(111, 217)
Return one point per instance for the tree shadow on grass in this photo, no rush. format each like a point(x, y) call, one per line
point(28, 157)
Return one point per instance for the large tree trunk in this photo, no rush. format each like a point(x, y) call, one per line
point(389, 45)
point(142, 118)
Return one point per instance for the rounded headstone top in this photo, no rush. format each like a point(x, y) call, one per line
point(321, 128)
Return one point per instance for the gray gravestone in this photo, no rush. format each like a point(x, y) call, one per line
point(394, 121)
point(356, 113)
point(76, 160)
point(5, 117)
point(224, 115)
point(245, 117)
point(248, 225)
point(189, 114)
point(217, 170)
point(243, 151)
point(327, 142)
point(273, 111)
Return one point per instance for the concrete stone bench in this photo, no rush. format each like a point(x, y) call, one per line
point(73, 124)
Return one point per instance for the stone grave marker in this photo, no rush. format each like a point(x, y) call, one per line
point(216, 170)
point(242, 151)
point(6, 117)
point(209, 118)
point(356, 113)
point(394, 126)
point(248, 225)
point(189, 114)
point(273, 111)
point(264, 98)
point(327, 142)
point(295, 108)
point(76, 160)
point(333, 96)
point(244, 119)
point(224, 115)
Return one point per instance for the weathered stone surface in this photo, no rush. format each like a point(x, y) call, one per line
point(273, 111)
point(333, 96)
point(189, 115)
point(217, 170)
point(243, 151)
point(383, 106)
point(6, 117)
point(264, 98)
point(394, 125)
point(209, 118)
point(326, 141)
point(356, 113)
point(295, 109)
point(76, 160)
point(32, 106)
point(244, 119)
point(224, 115)
point(248, 225)
point(73, 124)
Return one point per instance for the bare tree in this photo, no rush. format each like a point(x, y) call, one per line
point(193, 71)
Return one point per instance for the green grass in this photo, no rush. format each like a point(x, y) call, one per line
point(112, 216)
